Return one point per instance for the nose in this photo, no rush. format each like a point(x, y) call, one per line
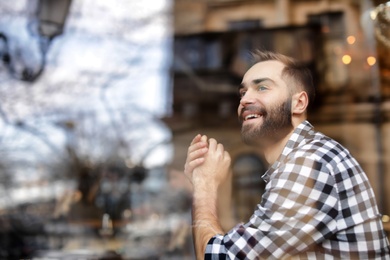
point(246, 99)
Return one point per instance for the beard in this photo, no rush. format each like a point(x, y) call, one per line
point(276, 125)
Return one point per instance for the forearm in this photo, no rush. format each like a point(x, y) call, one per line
point(208, 170)
point(205, 219)
point(224, 205)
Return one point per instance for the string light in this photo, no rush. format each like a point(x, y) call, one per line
point(346, 59)
point(351, 39)
point(371, 60)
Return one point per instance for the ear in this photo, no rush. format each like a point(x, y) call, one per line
point(299, 103)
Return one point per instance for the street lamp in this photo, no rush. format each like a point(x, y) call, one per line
point(51, 16)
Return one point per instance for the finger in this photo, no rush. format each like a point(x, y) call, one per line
point(191, 165)
point(226, 156)
point(197, 153)
point(198, 142)
point(220, 151)
point(197, 146)
point(212, 144)
point(194, 163)
point(220, 148)
point(196, 139)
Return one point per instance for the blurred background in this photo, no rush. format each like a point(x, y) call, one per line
point(100, 100)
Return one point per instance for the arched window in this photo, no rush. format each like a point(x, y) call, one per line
point(248, 186)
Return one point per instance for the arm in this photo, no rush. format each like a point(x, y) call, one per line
point(207, 171)
point(297, 212)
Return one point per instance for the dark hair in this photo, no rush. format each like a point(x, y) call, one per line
point(293, 70)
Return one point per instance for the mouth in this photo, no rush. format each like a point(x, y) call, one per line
point(251, 113)
point(252, 116)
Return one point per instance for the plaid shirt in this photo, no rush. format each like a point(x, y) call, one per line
point(317, 203)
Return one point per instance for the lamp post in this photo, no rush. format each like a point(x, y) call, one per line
point(51, 16)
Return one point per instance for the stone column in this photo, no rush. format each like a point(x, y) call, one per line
point(282, 12)
point(382, 34)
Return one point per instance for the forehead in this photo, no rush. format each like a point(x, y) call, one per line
point(271, 69)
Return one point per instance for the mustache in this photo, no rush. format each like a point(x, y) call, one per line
point(253, 110)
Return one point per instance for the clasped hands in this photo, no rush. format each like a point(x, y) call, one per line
point(207, 165)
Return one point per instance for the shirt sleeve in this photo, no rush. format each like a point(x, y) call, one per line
point(298, 210)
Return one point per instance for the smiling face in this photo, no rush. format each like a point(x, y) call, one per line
point(265, 106)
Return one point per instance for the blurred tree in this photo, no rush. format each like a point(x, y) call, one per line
point(82, 110)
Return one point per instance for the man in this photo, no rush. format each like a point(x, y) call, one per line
point(317, 203)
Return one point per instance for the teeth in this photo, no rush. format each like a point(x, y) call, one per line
point(251, 116)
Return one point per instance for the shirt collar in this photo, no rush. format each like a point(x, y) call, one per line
point(300, 134)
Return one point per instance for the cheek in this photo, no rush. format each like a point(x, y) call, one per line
point(239, 108)
point(276, 99)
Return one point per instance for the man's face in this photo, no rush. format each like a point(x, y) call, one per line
point(265, 105)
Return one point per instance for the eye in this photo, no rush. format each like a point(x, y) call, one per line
point(241, 93)
point(262, 88)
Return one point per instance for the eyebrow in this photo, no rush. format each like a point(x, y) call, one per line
point(256, 82)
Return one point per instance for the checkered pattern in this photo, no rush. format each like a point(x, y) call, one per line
point(318, 204)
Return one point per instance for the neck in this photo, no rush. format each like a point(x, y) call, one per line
point(273, 151)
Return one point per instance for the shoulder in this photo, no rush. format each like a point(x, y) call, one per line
point(321, 148)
